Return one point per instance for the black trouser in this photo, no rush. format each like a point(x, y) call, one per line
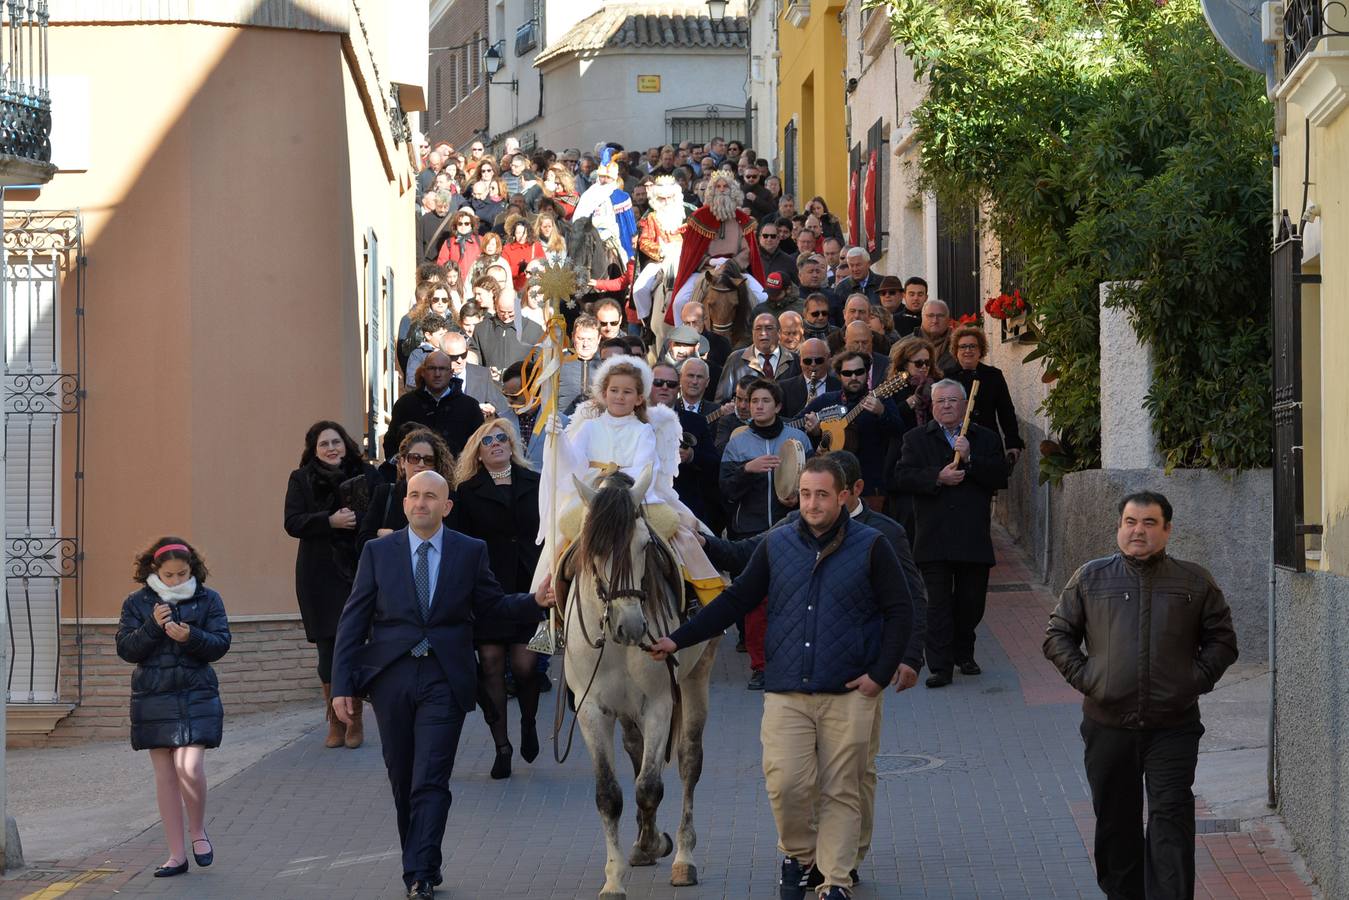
point(324, 646)
point(419, 725)
point(1121, 762)
point(955, 607)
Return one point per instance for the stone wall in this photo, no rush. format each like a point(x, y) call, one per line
point(1311, 709)
point(269, 664)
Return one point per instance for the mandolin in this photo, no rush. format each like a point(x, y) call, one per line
point(833, 431)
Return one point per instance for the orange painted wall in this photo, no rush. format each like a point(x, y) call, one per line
point(232, 175)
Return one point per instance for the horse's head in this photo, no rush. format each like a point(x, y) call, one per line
point(725, 295)
point(612, 554)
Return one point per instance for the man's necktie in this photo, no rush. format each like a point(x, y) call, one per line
point(421, 577)
point(767, 365)
point(812, 389)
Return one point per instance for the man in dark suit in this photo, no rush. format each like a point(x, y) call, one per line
point(694, 315)
point(872, 430)
point(952, 479)
point(440, 404)
point(862, 279)
point(698, 459)
point(816, 379)
point(477, 380)
point(765, 357)
point(405, 639)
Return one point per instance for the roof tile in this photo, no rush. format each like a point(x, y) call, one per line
point(636, 25)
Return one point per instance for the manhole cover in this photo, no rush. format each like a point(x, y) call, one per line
point(891, 765)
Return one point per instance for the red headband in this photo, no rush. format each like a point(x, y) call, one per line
point(167, 547)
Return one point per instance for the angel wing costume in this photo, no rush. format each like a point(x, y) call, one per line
point(595, 444)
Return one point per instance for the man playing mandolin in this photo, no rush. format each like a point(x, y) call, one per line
point(875, 421)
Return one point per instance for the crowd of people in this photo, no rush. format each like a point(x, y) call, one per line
point(822, 433)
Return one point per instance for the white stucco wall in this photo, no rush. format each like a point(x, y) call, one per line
point(595, 98)
point(763, 85)
point(511, 112)
point(886, 90)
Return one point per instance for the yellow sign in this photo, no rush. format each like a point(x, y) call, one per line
point(648, 84)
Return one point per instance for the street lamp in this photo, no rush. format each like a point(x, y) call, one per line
point(716, 11)
point(492, 62)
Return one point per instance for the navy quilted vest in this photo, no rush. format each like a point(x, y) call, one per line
point(824, 628)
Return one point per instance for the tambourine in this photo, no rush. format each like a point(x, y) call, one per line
point(788, 472)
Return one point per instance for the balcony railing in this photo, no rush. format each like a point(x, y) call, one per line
point(25, 103)
point(1305, 22)
point(526, 37)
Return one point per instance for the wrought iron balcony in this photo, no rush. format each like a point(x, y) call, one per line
point(1306, 22)
point(527, 37)
point(25, 103)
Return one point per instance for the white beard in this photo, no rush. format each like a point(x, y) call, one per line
point(669, 216)
point(722, 206)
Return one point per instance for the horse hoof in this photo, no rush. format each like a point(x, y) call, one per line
point(613, 895)
point(683, 875)
point(640, 860)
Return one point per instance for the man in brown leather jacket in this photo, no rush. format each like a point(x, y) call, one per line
point(1158, 633)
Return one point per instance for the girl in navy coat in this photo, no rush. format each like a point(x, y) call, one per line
point(173, 628)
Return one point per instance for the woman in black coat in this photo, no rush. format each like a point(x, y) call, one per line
point(419, 450)
point(993, 407)
point(331, 480)
point(498, 502)
point(173, 628)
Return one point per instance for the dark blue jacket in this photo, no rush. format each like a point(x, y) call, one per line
point(382, 621)
point(838, 607)
point(175, 698)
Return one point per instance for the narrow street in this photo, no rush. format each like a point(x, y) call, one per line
point(981, 795)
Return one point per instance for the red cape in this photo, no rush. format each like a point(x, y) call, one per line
point(698, 232)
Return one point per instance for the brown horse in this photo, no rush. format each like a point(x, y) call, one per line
point(725, 295)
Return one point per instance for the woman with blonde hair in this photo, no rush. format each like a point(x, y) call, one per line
point(497, 501)
point(550, 235)
point(558, 186)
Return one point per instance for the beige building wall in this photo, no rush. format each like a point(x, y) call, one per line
point(232, 175)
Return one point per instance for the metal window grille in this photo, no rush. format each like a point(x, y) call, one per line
point(699, 124)
point(41, 302)
point(526, 37)
point(1305, 22)
point(1286, 280)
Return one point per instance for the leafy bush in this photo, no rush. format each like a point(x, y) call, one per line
point(1113, 141)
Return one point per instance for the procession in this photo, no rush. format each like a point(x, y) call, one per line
point(710, 450)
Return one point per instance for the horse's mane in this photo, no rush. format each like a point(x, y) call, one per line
point(585, 248)
point(610, 523)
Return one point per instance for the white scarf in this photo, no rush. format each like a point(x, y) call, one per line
point(172, 595)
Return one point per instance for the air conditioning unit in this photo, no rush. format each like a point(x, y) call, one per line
point(798, 12)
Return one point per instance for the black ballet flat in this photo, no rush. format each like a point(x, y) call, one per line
point(170, 871)
point(203, 859)
point(502, 767)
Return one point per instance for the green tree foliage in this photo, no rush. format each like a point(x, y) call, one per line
point(1113, 141)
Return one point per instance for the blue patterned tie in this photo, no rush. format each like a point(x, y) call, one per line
point(421, 577)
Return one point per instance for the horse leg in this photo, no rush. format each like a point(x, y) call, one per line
point(695, 689)
point(651, 844)
point(597, 728)
point(632, 742)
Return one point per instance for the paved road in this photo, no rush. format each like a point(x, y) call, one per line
point(981, 796)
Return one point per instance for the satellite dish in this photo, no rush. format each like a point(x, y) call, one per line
point(1236, 25)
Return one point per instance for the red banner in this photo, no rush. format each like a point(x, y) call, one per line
point(870, 203)
point(854, 199)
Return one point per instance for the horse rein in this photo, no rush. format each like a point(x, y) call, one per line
point(607, 597)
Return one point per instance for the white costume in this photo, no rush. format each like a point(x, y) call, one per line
point(595, 439)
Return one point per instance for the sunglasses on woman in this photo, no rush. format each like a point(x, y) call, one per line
point(418, 459)
point(494, 438)
point(918, 363)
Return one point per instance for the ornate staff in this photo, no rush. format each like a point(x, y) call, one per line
point(969, 411)
point(557, 283)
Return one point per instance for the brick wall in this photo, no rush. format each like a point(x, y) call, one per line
point(269, 664)
point(456, 78)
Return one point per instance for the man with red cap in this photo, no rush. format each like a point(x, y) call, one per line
point(782, 297)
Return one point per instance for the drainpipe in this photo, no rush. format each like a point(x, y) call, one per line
point(4, 559)
point(1271, 790)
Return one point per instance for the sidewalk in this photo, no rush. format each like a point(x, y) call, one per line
point(981, 795)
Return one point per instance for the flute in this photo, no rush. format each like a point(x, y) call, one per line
point(969, 410)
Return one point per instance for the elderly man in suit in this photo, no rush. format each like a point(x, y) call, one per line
point(815, 380)
point(952, 478)
point(405, 639)
point(765, 357)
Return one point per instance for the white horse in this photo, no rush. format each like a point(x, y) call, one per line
point(623, 596)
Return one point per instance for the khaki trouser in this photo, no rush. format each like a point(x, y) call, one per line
point(815, 752)
point(869, 787)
